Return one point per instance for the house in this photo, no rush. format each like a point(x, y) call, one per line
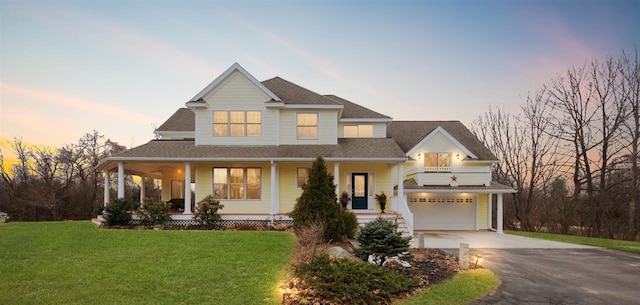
point(250, 144)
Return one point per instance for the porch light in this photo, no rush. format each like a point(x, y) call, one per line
point(419, 155)
point(478, 260)
point(458, 155)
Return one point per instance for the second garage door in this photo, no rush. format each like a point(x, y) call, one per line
point(449, 212)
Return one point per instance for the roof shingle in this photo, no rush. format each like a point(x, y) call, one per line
point(354, 111)
point(409, 133)
point(291, 93)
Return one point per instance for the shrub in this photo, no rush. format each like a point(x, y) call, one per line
point(310, 238)
point(318, 202)
point(344, 199)
point(345, 281)
point(349, 223)
point(207, 211)
point(153, 212)
point(116, 212)
point(381, 239)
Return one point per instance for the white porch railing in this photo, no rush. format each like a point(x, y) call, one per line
point(399, 204)
point(436, 169)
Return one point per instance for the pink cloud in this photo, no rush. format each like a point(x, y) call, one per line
point(20, 92)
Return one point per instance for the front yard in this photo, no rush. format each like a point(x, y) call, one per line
point(77, 263)
point(622, 245)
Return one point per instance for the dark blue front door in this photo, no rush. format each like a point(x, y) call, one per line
point(359, 191)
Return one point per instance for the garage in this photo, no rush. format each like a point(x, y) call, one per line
point(443, 212)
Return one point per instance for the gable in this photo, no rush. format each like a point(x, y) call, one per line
point(235, 90)
point(230, 73)
point(440, 140)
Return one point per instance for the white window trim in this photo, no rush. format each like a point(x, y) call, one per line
point(317, 126)
point(228, 168)
point(229, 123)
point(296, 182)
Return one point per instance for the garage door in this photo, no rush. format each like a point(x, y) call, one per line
point(449, 212)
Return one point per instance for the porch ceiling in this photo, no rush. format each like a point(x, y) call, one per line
point(147, 169)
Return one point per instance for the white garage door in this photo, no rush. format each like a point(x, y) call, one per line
point(448, 212)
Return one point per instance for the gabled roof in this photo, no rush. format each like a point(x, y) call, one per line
point(211, 88)
point(182, 120)
point(408, 134)
point(354, 111)
point(185, 150)
point(291, 93)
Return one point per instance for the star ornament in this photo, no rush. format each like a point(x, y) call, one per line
point(454, 178)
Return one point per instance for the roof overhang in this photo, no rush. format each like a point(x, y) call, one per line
point(313, 106)
point(365, 120)
point(461, 189)
point(441, 130)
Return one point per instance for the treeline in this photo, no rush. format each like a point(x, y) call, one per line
point(59, 183)
point(571, 151)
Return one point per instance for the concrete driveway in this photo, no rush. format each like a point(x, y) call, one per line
point(488, 240)
point(562, 276)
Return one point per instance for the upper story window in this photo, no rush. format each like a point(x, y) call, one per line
point(437, 162)
point(237, 123)
point(358, 131)
point(307, 126)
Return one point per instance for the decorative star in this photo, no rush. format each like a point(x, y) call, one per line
point(454, 178)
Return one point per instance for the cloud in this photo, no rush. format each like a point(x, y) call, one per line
point(323, 66)
point(21, 92)
point(99, 30)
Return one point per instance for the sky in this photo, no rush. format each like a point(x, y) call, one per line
point(123, 67)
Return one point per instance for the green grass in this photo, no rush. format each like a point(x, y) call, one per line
point(76, 263)
point(622, 245)
point(463, 288)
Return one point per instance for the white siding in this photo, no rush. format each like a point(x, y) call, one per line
point(238, 93)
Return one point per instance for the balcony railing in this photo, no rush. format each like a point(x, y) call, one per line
point(437, 169)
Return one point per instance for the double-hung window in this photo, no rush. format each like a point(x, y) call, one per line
point(302, 176)
point(237, 183)
point(307, 126)
point(437, 162)
point(237, 123)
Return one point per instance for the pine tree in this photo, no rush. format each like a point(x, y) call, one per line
point(319, 202)
point(381, 239)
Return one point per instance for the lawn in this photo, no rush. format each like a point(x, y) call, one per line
point(463, 288)
point(77, 263)
point(622, 245)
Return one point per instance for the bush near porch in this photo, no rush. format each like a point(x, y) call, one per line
point(76, 263)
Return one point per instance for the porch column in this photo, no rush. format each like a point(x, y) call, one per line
point(106, 188)
point(499, 215)
point(142, 189)
point(336, 175)
point(187, 188)
point(274, 189)
point(120, 179)
point(490, 210)
point(400, 180)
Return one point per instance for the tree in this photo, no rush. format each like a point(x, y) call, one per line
point(381, 239)
point(319, 202)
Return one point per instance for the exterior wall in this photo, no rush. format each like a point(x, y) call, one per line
point(382, 181)
point(379, 129)
point(237, 93)
point(327, 126)
point(483, 211)
point(204, 187)
point(166, 182)
point(287, 188)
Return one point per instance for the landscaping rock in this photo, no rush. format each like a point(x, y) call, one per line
point(339, 252)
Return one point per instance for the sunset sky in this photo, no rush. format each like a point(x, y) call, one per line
point(123, 67)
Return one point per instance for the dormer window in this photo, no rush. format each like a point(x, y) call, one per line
point(237, 123)
point(437, 162)
point(358, 131)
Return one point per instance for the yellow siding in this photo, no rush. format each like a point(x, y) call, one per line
point(327, 127)
point(238, 93)
point(204, 187)
point(288, 190)
point(382, 179)
point(166, 182)
point(483, 210)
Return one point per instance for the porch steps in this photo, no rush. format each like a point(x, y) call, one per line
point(364, 218)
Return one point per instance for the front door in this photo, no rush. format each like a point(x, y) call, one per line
point(359, 191)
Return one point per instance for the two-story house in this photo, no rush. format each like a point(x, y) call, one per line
point(250, 144)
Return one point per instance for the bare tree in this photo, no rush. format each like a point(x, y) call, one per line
point(630, 94)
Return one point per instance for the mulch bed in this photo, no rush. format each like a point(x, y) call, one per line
point(430, 266)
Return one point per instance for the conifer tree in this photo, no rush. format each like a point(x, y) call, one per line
point(319, 202)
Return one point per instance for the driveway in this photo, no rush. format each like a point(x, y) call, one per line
point(562, 276)
point(487, 239)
